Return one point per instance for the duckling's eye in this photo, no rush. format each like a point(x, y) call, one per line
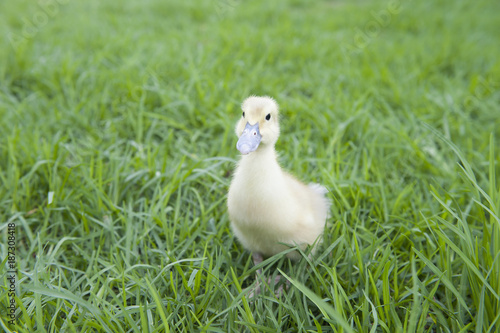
point(268, 116)
point(243, 114)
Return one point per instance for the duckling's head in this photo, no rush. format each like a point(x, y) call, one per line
point(259, 125)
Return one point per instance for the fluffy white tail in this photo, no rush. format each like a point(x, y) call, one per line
point(321, 190)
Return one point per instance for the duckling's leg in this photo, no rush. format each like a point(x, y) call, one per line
point(257, 259)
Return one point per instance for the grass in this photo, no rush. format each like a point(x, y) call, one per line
point(117, 147)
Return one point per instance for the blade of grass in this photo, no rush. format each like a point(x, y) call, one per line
point(324, 307)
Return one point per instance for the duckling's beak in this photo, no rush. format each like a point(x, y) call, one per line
point(249, 139)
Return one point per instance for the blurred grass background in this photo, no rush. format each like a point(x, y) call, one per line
point(124, 111)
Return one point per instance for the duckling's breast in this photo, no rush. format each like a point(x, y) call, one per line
point(258, 201)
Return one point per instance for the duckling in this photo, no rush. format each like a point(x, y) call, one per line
point(267, 206)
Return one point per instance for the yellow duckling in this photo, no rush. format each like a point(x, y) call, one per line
point(267, 206)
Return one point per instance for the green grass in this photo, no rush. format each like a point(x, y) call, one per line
point(124, 112)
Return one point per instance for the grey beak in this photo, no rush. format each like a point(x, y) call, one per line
point(249, 139)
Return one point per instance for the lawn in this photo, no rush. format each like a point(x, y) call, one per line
point(117, 147)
